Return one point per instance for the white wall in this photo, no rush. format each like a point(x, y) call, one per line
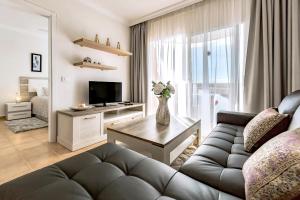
point(74, 20)
point(15, 50)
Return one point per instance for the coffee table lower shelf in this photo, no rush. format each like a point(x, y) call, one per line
point(159, 151)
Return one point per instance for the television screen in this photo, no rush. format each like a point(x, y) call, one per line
point(104, 92)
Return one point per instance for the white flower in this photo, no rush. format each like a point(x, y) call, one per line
point(171, 88)
point(158, 88)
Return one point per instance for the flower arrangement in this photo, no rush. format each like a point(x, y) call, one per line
point(163, 90)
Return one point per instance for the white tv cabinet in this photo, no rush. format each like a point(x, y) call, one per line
point(78, 129)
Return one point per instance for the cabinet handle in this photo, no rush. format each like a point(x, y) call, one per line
point(89, 118)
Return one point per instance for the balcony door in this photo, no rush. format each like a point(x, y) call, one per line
point(215, 74)
point(205, 69)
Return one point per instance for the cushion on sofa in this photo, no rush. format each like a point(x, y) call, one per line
point(266, 125)
point(295, 122)
point(219, 160)
point(290, 103)
point(273, 171)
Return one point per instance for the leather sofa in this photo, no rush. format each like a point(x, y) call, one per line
point(110, 172)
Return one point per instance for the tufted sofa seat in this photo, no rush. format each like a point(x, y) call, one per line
point(218, 162)
point(109, 172)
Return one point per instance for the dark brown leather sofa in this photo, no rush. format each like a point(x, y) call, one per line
point(111, 172)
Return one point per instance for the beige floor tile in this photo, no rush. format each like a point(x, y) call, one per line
point(27, 145)
point(12, 164)
point(21, 138)
point(39, 155)
point(7, 151)
point(57, 148)
point(5, 143)
point(28, 151)
point(41, 136)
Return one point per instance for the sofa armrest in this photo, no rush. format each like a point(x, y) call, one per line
point(235, 118)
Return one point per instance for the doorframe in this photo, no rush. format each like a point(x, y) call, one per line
point(30, 6)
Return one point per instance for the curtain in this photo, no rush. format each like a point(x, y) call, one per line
point(272, 66)
point(200, 49)
point(138, 63)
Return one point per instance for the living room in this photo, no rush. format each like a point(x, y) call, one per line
point(173, 99)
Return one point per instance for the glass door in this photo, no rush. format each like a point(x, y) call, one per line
point(215, 74)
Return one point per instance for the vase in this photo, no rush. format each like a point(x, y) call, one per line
point(163, 113)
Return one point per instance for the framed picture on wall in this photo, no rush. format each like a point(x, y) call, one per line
point(36, 62)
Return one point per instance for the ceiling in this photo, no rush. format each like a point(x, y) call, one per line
point(128, 12)
point(134, 11)
point(22, 21)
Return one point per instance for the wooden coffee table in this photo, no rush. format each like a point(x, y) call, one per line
point(156, 139)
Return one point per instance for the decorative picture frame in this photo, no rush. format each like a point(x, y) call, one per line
point(36, 62)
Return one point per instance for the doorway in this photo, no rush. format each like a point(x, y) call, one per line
point(27, 32)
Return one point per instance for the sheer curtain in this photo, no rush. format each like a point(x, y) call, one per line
point(200, 49)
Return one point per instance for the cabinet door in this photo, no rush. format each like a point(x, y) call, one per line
point(89, 126)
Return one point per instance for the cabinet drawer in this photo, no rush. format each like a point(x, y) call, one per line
point(89, 126)
point(18, 107)
point(18, 115)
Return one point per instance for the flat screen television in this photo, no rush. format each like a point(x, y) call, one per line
point(101, 93)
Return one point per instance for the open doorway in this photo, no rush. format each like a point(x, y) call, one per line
point(26, 41)
point(25, 85)
point(25, 48)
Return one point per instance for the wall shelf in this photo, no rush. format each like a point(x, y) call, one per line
point(94, 45)
point(94, 66)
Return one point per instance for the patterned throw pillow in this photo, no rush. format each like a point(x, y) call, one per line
point(263, 127)
point(273, 171)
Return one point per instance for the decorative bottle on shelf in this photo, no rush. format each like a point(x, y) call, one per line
point(118, 45)
point(97, 39)
point(107, 42)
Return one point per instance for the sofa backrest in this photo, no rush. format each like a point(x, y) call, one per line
point(290, 103)
point(295, 123)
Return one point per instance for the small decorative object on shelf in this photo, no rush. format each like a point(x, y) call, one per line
point(107, 42)
point(94, 66)
point(99, 63)
point(87, 59)
point(163, 92)
point(101, 47)
point(97, 39)
point(118, 45)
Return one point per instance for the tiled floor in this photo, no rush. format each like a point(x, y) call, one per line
point(25, 152)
